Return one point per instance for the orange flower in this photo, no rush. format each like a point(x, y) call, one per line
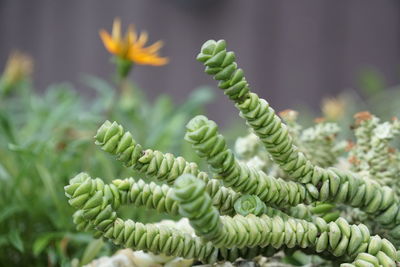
point(362, 116)
point(333, 108)
point(289, 115)
point(19, 66)
point(131, 47)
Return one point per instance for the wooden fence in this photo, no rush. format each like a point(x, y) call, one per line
point(293, 52)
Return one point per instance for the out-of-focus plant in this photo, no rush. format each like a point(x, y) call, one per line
point(45, 138)
point(18, 69)
point(371, 81)
point(371, 93)
point(39, 136)
point(333, 109)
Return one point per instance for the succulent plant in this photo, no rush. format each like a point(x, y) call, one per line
point(241, 209)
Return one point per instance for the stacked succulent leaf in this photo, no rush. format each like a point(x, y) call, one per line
point(241, 209)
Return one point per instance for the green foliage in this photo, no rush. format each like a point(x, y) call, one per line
point(44, 139)
point(371, 81)
point(241, 209)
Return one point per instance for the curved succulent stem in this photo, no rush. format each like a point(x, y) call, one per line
point(112, 138)
point(343, 187)
point(96, 205)
point(141, 194)
point(339, 238)
point(203, 134)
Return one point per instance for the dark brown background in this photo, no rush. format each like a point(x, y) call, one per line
point(293, 52)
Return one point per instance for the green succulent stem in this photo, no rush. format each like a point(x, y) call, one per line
point(203, 134)
point(141, 194)
point(339, 238)
point(112, 138)
point(96, 205)
point(244, 212)
point(332, 183)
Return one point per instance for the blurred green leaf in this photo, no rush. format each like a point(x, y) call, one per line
point(15, 239)
point(298, 258)
point(4, 174)
point(3, 241)
point(9, 211)
point(371, 81)
point(91, 251)
point(198, 98)
point(6, 127)
point(42, 242)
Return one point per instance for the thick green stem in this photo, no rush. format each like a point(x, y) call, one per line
point(339, 238)
point(112, 138)
point(203, 135)
point(343, 187)
point(96, 205)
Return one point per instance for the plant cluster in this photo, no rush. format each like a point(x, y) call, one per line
point(283, 192)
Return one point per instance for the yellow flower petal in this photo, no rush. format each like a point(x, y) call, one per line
point(146, 59)
point(154, 47)
point(116, 30)
point(142, 39)
point(131, 46)
point(108, 42)
point(131, 34)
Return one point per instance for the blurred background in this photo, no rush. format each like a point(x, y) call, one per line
point(322, 58)
point(293, 52)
